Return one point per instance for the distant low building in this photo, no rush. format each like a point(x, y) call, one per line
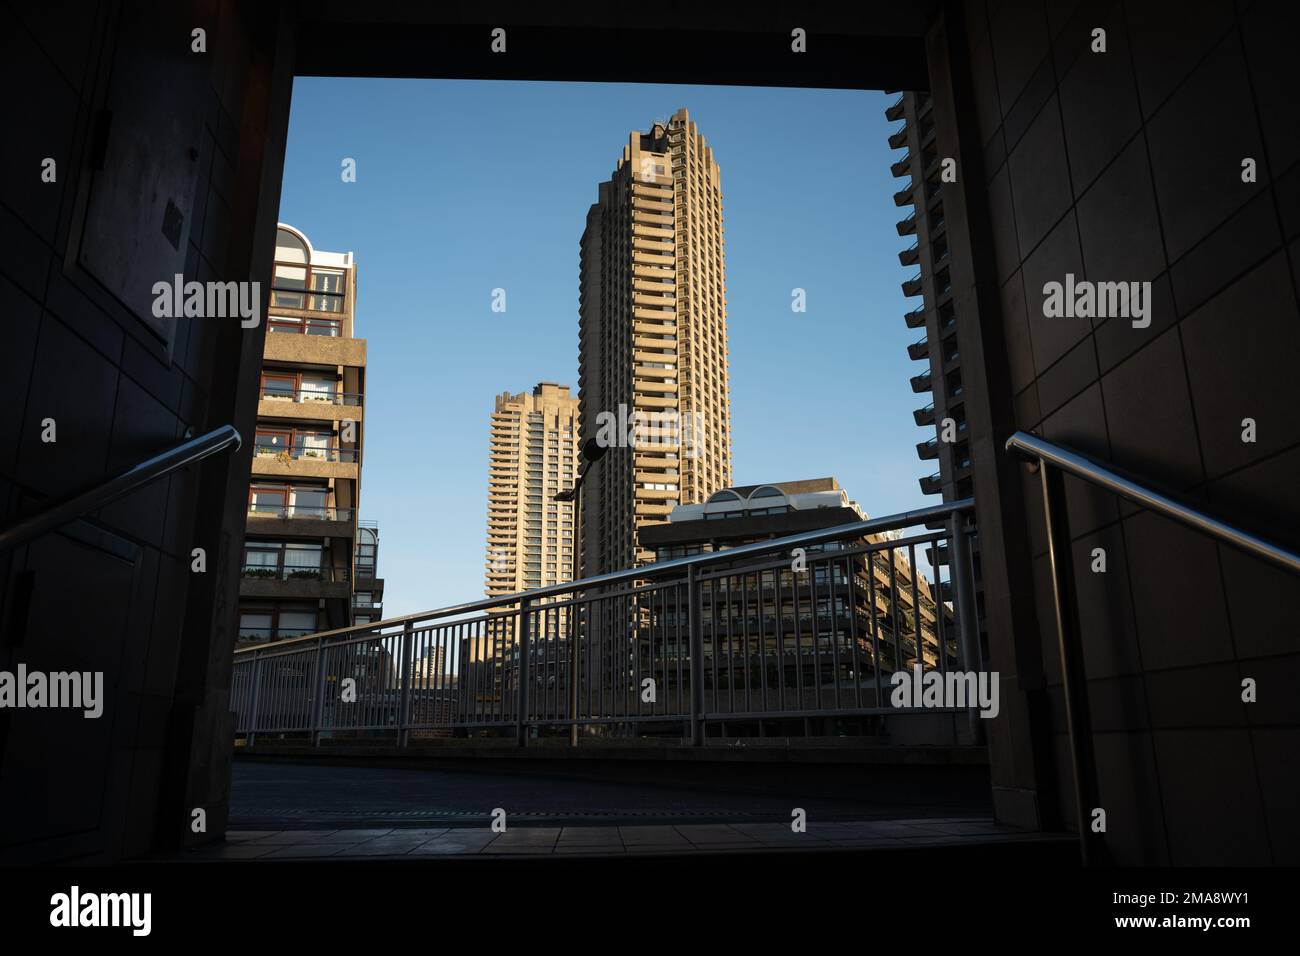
point(821, 630)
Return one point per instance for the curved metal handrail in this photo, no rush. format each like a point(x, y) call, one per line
point(49, 515)
point(1081, 466)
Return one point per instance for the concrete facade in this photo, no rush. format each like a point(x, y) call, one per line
point(299, 571)
point(533, 455)
point(653, 341)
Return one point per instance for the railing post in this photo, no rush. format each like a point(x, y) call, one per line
point(1078, 717)
point(697, 656)
point(575, 630)
point(404, 686)
point(257, 687)
point(961, 576)
point(525, 675)
point(318, 705)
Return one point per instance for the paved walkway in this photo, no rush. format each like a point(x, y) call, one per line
point(426, 843)
point(281, 796)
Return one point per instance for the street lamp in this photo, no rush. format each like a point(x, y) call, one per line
point(592, 451)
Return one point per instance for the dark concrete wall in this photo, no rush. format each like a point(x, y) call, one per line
point(194, 135)
point(1126, 165)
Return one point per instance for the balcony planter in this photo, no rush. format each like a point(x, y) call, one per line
point(305, 575)
point(259, 572)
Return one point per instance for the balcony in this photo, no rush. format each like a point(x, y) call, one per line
point(902, 167)
point(912, 287)
point(928, 450)
point(265, 635)
point(921, 383)
point(304, 341)
point(927, 129)
point(899, 139)
point(910, 256)
point(895, 111)
point(932, 484)
point(919, 349)
point(904, 196)
point(907, 227)
point(305, 462)
point(294, 582)
point(300, 521)
point(305, 325)
point(924, 416)
point(916, 318)
point(309, 404)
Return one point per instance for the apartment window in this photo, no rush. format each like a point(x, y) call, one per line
point(291, 501)
point(299, 443)
point(283, 559)
point(276, 622)
point(299, 387)
point(296, 285)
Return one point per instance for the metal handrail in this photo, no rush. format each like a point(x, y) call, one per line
point(54, 514)
point(1054, 462)
point(1081, 466)
point(649, 571)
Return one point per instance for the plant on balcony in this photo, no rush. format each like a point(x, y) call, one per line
point(283, 456)
point(312, 454)
point(259, 572)
point(304, 574)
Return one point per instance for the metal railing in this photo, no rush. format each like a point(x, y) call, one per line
point(760, 638)
point(300, 512)
point(47, 516)
point(263, 449)
point(309, 396)
point(1053, 463)
point(305, 326)
point(290, 572)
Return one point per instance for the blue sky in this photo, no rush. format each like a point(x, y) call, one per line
point(467, 186)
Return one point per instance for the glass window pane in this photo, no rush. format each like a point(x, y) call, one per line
point(317, 389)
point(267, 501)
point(327, 280)
point(293, 623)
point(302, 556)
point(309, 500)
point(326, 303)
point(314, 444)
point(290, 278)
point(324, 327)
point(288, 247)
point(261, 556)
point(277, 388)
point(255, 625)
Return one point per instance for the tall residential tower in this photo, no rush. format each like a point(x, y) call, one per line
point(653, 341)
point(532, 456)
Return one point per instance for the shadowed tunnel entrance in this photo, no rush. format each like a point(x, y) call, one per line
point(1122, 167)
